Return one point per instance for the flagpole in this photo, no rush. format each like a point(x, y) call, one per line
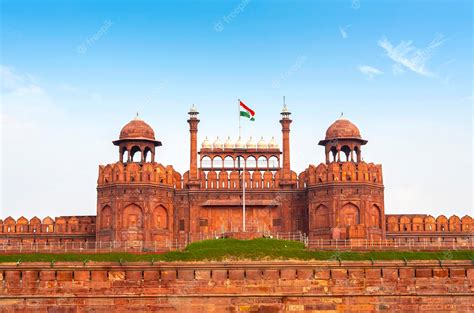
point(240, 126)
point(244, 220)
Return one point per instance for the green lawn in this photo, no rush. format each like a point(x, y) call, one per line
point(231, 249)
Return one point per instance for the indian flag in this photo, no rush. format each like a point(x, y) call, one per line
point(247, 112)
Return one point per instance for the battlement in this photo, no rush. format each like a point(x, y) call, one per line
point(60, 225)
point(427, 223)
point(151, 173)
point(342, 172)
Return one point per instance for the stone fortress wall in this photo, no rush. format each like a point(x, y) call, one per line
point(415, 286)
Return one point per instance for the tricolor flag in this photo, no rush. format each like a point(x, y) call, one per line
point(245, 111)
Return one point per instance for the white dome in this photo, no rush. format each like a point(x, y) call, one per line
point(273, 144)
point(251, 144)
point(229, 144)
point(239, 144)
point(206, 144)
point(262, 144)
point(217, 144)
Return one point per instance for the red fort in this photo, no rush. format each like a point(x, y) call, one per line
point(141, 201)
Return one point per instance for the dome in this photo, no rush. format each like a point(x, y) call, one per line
point(251, 144)
point(273, 144)
point(262, 144)
point(217, 144)
point(343, 129)
point(137, 129)
point(229, 144)
point(206, 144)
point(240, 144)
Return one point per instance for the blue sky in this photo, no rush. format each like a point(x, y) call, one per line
point(74, 72)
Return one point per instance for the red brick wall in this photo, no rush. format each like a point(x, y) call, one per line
point(239, 287)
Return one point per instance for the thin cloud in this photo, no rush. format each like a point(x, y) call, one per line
point(343, 31)
point(369, 71)
point(406, 55)
point(13, 82)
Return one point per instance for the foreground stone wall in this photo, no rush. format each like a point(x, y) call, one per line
point(238, 287)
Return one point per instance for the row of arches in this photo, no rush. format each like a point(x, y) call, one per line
point(403, 223)
point(76, 225)
point(345, 153)
point(137, 154)
point(133, 217)
point(236, 162)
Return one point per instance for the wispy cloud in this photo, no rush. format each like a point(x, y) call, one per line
point(13, 82)
point(369, 71)
point(343, 31)
point(406, 55)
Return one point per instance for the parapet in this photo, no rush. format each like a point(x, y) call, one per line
point(61, 225)
point(427, 223)
point(342, 172)
point(153, 173)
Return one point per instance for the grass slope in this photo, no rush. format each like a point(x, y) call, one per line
point(231, 249)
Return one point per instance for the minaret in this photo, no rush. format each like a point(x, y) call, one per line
point(193, 130)
point(286, 122)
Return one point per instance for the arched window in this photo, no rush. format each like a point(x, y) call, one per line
point(345, 151)
point(239, 162)
point(229, 162)
point(136, 154)
point(206, 162)
point(148, 155)
point(262, 162)
point(217, 162)
point(251, 162)
point(273, 162)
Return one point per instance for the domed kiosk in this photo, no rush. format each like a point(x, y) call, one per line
point(343, 136)
point(137, 137)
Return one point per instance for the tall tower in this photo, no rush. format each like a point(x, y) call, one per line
point(193, 159)
point(345, 195)
point(286, 179)
point(135, 194)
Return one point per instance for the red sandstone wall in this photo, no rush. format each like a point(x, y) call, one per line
point(239, 287)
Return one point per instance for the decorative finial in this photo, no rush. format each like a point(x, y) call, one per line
point(285, 112)
point(137, 117)
point(193, 112)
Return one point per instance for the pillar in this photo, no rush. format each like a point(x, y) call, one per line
point(286, 122)
point(193, 130)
